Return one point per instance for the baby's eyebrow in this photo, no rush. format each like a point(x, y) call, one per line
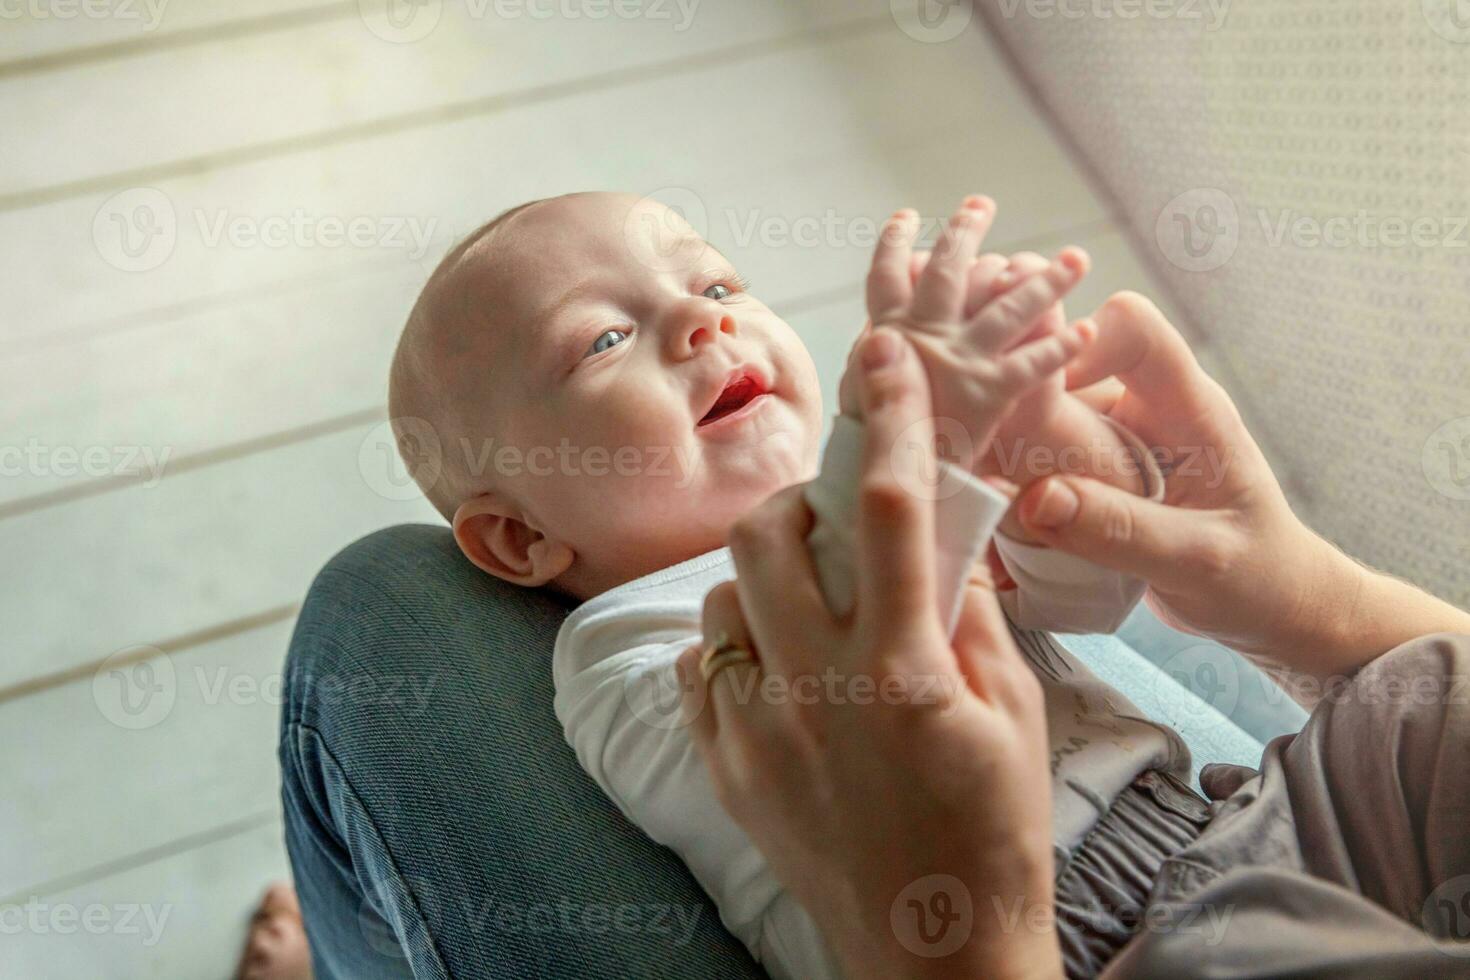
point(554, 348)
point(568, 296)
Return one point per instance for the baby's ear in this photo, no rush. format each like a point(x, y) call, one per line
point(492, 532)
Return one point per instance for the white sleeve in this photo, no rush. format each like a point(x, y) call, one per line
point(1065, 594)
point(966, 512)
point(622, 717)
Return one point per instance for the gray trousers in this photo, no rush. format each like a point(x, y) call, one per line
point(1347, 855)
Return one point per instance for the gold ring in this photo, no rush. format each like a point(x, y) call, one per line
point(721, 654)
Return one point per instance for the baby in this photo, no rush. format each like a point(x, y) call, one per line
point(604, 326)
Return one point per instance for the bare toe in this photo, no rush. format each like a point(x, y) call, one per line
point(276, 948)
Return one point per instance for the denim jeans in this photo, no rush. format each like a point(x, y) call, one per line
point(439, 825)
point(437, 822)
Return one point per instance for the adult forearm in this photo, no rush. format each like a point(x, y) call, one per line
point(1387, 612)
point(1352, 614)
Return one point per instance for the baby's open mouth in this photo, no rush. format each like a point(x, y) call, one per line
point(743, 388)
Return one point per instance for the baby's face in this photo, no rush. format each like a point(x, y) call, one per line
point(652, 398)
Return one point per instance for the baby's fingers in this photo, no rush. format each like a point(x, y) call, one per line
point(1032, 363)
point(984, 282)
point(890, 288)
point(1002, 321)
point(917, 263)
point(939, 295)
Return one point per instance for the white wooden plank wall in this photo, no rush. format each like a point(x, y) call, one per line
point(251, 375)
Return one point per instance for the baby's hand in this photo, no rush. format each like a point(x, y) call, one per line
point(981, 356)
point(1047, 398)
point(992, 275)
point(1071, 436)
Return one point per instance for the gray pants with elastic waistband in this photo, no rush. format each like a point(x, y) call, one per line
point(1346, 855)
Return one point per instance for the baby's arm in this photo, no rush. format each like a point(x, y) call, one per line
point(964, 316)
point(1052, 431)
point(978, 371)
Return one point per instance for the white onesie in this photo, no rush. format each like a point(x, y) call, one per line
point(618, 696)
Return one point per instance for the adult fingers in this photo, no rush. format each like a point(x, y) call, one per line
point(732, 689)
point(1154, 541)
point(984, 649)
point(939, 295)
point(776, 581)
point(695, 708)
point(1137, 344)
point(1100, 396)
point(724, 731)
point(897, 483)
point(1008, 317)
point(889, 288)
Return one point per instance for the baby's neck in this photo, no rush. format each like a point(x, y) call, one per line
point(583, 581)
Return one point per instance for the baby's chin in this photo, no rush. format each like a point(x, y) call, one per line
point(749, 474)
point(696, 518)
point(696, 510)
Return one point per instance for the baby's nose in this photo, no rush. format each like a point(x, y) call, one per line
point(699, 330)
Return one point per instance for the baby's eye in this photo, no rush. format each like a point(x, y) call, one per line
point(728, 286)
point(608, 338)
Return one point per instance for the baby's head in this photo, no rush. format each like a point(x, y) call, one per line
point(606, 397)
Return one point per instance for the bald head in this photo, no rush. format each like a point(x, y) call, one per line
point(469, 333)
point(437, 381)
point(552, 390)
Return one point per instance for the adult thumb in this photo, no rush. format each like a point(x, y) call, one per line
point(1112, 527)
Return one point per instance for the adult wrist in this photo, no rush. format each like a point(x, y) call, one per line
point(1006, 938)
point(1340, 594)
point(1035, 960)
point(1321, 635)
point(1383, 612)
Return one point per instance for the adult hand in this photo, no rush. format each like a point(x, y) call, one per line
point(897, 781)
point(1223, 555)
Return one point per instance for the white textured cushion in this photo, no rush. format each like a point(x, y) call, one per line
point(1350, 360)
